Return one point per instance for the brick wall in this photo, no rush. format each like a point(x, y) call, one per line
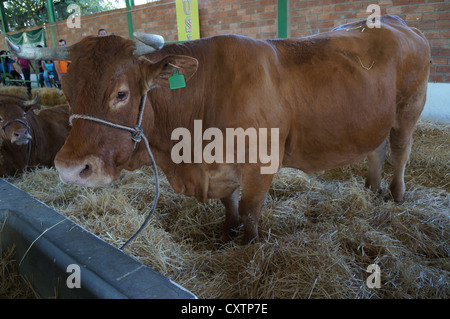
point(253, 18)
point(158, 17)
point(432, 17)
point(258, 19)
point(113, 21)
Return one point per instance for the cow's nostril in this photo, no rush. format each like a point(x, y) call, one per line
point(86, 171)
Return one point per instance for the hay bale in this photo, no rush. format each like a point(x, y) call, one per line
point(20, 91)
point(318, 233)
point(50, 96)
point(47, 96)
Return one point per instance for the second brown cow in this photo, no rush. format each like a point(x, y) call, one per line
point(28, 139)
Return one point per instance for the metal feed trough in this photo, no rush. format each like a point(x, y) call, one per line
point(52, 250)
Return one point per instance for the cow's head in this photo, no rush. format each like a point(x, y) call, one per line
point(13, 122)
point(106, 79)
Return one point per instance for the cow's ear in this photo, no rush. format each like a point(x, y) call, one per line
point(175, 65)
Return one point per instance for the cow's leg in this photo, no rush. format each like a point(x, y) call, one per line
point(376, 161)
point(400, 143)
point(232, 222)
point(401, 137)
point(255, 187)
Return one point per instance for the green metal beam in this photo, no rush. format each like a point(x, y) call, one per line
point(282, 16)
point(5, 28)
point(129, 4)
point(51, 19)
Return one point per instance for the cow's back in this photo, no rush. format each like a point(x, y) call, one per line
point(347, 86)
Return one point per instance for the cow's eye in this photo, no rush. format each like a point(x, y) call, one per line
point(121, 96)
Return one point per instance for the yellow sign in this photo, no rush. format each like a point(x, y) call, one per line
point(187, 20)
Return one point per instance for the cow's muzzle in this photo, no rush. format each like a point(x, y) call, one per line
point(20, 137)
point(89, 171)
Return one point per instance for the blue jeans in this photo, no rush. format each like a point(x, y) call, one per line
point(47, 77)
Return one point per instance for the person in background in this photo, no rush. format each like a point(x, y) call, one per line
point(5, 66)
point(61, 66)
point(26, 66)
point(9, 71)
point(102, 33)
point(49, 77)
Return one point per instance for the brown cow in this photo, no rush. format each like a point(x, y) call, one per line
point(334, 98)
point(27, 139)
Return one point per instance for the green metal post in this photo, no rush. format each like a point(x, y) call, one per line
point(282, 18)
point(129, 4)
point(51, 19)
point(5, 28)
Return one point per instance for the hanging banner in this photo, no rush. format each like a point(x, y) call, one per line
point(28, 38)
point(187, 20)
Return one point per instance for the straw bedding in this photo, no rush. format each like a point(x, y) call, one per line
point(12, 284)
point(318, 234)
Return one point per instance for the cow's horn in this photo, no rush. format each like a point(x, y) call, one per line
point(32, 102)
point(49, 53)
point(147, 43)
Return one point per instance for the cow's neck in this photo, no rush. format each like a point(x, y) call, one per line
point(162, 116)
point(12, 157)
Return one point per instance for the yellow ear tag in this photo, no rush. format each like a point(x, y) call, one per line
point(176, 81)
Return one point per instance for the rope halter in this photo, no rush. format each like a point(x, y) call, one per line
point(137, 134)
